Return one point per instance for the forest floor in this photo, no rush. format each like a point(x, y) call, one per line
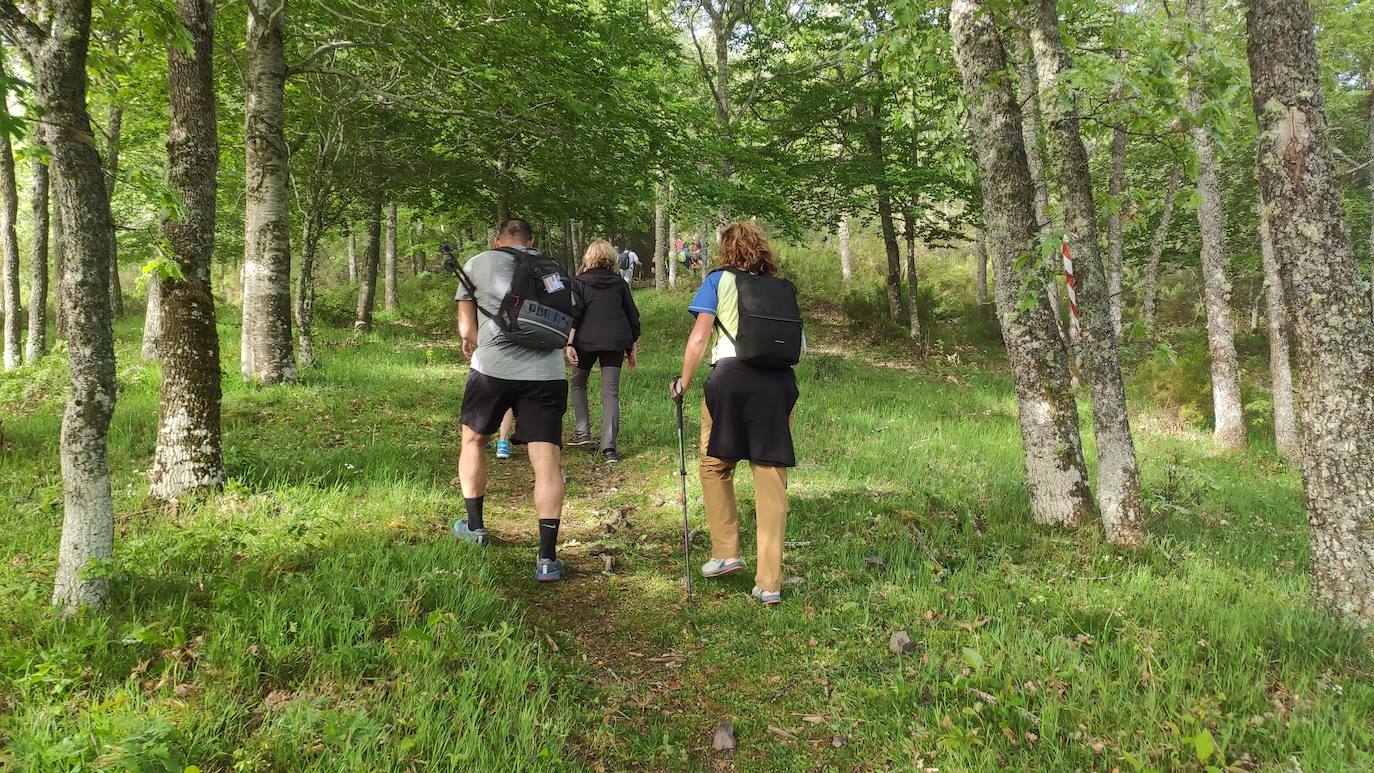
point(318, 615)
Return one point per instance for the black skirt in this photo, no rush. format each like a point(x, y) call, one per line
point(751, 412)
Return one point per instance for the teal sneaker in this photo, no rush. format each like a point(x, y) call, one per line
point(503, 449)
point(476, 537)
point(769, 597)
point(719, 567)
point(548, 570)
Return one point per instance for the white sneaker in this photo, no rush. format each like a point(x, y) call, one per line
point(769, 597)
point(719, 567)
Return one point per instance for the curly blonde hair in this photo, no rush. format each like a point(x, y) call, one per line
point(600, 254)
point(743, 246)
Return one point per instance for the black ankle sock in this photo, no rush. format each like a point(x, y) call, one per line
point(474, 507)
point(548, 538)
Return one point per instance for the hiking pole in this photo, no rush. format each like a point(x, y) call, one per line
point(682, 473)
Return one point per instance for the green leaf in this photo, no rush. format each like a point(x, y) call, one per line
point(1203, 745)
point(973, 659)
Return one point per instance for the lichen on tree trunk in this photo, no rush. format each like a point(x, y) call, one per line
point(1118, 476)
point(189, 456)
point(846, 261)
point(152, 320)
point(37, 345)
point(389, 294)
point(1280, 371)
point(9, 249)
point(1056, 475)
point(1327, 306)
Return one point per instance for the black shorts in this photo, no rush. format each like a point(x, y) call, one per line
point(585, 360)
point(539, 407)
point(751, 413)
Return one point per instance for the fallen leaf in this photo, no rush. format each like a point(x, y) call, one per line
point(724, 739)
point(779, 732)
point(814, 719)
point(838, 741)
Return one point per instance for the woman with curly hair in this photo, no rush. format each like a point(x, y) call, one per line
point(746, 414)
point(606, 332)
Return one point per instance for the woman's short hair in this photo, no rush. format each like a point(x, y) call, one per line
point(743, 246)
point(600, 254)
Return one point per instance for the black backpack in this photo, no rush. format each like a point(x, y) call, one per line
point(625, 263)
point(538, 311)
point(770, 323)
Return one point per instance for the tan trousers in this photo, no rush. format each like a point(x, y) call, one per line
point(722, 512)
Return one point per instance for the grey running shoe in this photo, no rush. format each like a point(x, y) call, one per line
point(769, 597)
point(476, 537)
point(719, 567)
point(548, 570)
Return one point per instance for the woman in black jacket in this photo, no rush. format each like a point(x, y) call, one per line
point(605, 332)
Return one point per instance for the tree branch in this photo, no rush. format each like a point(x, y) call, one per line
point(20, 28)
point(323, 50)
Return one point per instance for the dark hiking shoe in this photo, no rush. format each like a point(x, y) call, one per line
point(548, 570)
point(579, 441)
point(611, 456)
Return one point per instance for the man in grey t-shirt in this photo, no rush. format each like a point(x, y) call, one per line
point(507, 376)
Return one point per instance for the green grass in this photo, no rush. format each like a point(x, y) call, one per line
point(316, 615)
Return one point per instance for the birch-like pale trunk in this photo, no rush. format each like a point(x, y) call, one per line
point(1147, 303)
point(58, 243)
point(1118, 475)
point(37, 345)
point(367, 286)
point(1330, 314)
point(189, 457)
point(266, 348)
point(152, 320)
point(1227, 409)
point(1056, 475)
point(846, 260)
point(1280, 369)
point(59, 88)
point(389, 294)
point(1369, 142)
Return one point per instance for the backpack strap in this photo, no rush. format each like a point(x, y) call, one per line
point(719, 326)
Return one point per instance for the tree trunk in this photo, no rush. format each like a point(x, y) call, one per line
point(1369, 128)
point(980, 288)
point(305, 292)
point(1281, 373)
point(1147, 303)
point(1330, 315)
point(846, 260)
point(189, 457)
point(61, 314)
point(390, 281)
point(1118, 477)
point(352, 255)
point(1028, 92)
point(1228, 410)
point(875, 114)
point(9, 247)
point(266, 353)
point(59, 78)
point(661, 247)
point(152, 320)
point(367, 288)
point(672, 259)
point(38, 263)
point(1116, 193)
point(114, 130)
point(1056, 475)
point(913, 287)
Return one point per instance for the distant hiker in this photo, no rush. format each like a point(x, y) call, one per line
point(628, 260)
point(515, 311)
point(698, 255)
point(750, 318)
point(605, 332)
point(677, 247)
